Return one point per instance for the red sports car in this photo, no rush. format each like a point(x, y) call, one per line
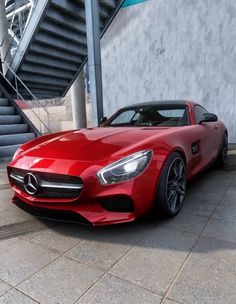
point(137, 161)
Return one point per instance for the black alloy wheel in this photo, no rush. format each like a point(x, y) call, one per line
point(223, 153)
point(172, 186)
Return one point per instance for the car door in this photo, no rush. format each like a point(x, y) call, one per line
point(209, 135)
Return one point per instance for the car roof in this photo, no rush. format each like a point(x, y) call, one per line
point(160, 102)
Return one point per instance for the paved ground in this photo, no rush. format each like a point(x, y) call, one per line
point(189, 259)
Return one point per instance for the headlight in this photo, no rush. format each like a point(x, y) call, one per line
point(125, 168)
point(16, 153)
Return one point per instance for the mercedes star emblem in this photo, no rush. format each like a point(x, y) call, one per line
point(31, 184)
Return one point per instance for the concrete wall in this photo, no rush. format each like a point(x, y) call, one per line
point(173, 49)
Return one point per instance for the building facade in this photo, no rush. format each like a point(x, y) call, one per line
point(173, 49)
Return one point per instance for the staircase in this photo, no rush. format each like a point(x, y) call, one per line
point(14, 131)
point(53, 48)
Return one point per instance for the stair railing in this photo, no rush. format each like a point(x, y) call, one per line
point(19, 9)
point(31, 105)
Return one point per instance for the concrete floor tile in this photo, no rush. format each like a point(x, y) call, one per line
point(209, 274)
point(4, 287)
point(3, 165)
point(156, 260)
point(60, 238)
point(39, 226)
point(16, 297)
point(231, 193)
point(14, 215)
point(23, 259)
point(3, 178)
point(185, 221)
point(226, 211)
point(116, 291)
point(206, 193)
point(169, 301)
point(5, 199)
point(108, 246)
point(63, 281)
point(201, 207)
point(6, 244)
point(215, 254)
point(99, 254)
point(221, 229)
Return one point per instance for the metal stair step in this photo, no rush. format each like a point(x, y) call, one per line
point(69, 8)
point(15, 139)
point(62, 32)
point(62, 19)
point(52, 41)
point(109, 3)
point(51, 62)
point(28, 77)
point(3, 102)
point(10, 119)
point(40, 69)
point(13, 129)
point(7, 152)
point(7, 110)
point(41, 50)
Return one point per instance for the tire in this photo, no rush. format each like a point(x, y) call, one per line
point(223, 152)
point(172, 186)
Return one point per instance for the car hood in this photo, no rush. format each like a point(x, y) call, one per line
point(95, 144)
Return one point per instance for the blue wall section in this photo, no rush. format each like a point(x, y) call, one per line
point(132, 2)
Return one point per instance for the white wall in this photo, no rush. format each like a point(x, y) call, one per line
point(173, 49)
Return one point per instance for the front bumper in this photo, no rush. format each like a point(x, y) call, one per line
point(92, 205)
point(86, 214)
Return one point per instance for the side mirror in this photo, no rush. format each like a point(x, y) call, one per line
point(209, 117)
point(102, 121)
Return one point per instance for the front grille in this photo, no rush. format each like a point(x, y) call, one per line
point(50, 185)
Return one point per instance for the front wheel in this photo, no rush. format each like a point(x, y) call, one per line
point(172, 186)
point(223, 153)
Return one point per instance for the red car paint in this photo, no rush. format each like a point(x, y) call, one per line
point(84, 152)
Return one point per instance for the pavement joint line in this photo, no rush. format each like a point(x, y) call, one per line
point(26, 295)
point(192, 248)
point(12, 287)
point(63, 254)
point(54, 260)
point(107, 271)
point(135, 284)
point(175, 301)
point(57, 250)
point(90, 266)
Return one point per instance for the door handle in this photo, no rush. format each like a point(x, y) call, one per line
point(216, 127)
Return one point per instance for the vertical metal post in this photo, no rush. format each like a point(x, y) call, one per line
point(94, 58)
point(4, 38)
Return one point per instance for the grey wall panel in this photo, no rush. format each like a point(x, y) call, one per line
point(167, 49)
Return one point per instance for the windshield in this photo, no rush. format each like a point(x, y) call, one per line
point(162, 116)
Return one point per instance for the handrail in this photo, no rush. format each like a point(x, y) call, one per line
point(15, 9)
point(47, 127)
point(13, 76)
point(27, 89)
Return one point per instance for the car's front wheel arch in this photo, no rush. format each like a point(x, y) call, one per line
point(160, 200)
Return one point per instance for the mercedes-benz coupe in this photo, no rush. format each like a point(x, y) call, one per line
point(138, 161)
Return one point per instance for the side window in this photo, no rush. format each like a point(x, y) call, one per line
point(198, 112)
point(123, 118)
